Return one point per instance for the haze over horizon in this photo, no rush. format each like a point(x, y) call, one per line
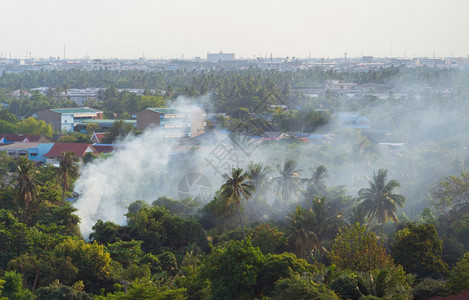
point(181, 28)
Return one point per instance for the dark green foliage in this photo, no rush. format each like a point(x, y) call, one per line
point(136, 206)
point(390, 282)
point(14, 238)
point(152, 261)
point(58, 291)
point(184, 207)
point(348, 285)
point(26, 185)
point(460, 228)
point(458, 280)
point(417, 248)
point(233, 270)
point(91, 260)
point(302, 289)
point(217, 215)
point(157, 228)
point(126, 253)
point(168, 262)
point(429, 288)
point(452, 251)
point(268, 238)
point(451, 195)
point(107, 232)
point(278, 266)
point(13, 287)
point(358, 250)
point(307, 120)
point(190, 278)
point(145, 289)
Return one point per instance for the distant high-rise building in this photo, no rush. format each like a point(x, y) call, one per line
point(220, 56)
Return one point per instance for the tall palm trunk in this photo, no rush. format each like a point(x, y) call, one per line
point(240, 219)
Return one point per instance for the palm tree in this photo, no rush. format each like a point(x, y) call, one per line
point(299, 223)
point(26, 184)
point(260, 178)
point(324, 222)
point(236, 187)
point(357, 215)
point(378, 200)
point(288, 181)
point(68, 170)
point(316, 186)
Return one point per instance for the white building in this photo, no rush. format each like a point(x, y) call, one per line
point(220, 56)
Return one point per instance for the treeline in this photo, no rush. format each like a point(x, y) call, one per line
point(82, 79)
point(230, 92)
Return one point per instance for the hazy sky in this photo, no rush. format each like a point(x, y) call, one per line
point(172, 28)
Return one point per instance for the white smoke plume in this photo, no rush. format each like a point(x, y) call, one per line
point(135, 171)
point(142, 168)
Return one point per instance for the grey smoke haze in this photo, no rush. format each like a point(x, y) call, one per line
point(148, 166)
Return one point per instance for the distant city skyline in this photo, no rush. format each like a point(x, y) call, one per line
point(260, 28)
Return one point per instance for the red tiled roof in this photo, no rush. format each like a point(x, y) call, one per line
point(463, 296)
point(77, 148)
point(99, 136)
point(32, 138)
point(104, 148)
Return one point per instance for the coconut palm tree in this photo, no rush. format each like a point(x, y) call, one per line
point(68, 170)
point(288, 181)
point(26, 184)
point(324, 222)
point(357, 215)
point(298, 230)
point(237, 186)
point(378, 200)
point(259, 177)
point(316, 185)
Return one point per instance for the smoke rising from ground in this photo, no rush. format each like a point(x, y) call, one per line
point(146, 167)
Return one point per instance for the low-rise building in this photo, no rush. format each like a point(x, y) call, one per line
point(173, 123)
point(64, 119)
point(33, 151)
point(339, 85)
point(104, 64)
point(353, 120)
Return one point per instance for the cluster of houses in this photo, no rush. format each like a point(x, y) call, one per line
point(172, 123)
point(38, 149)
point(186, 125)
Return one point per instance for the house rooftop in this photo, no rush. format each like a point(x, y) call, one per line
point(165, 111)
point(78, 148)
point(12, 137)
point(76, 110)
point(19, 146)
point(105, 121)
